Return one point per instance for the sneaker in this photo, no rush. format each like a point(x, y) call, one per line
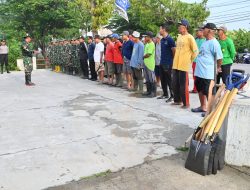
point(162, 97)
point(170, 99)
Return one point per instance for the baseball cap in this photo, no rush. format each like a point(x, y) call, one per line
point(224, 28)
point(136, 34)
point(211, 26)
point(149, 34)
point(184, 22)
point(158, 36)
point(97, 36)
point(126, 33)
point(200, 28)
point(109, 36)
point(115, 36)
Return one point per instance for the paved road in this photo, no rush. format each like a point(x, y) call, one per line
point(66, 128)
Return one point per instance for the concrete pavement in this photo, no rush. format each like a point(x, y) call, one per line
point(66, 128)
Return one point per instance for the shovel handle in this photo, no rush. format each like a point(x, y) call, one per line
point(218, 113)
point(225, 110)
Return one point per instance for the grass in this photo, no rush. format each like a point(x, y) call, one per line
point(182, 148)
point(101, 174)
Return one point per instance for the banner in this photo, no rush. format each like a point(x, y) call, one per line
point(122, 7)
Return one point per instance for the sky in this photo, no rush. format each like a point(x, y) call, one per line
point(234, 14)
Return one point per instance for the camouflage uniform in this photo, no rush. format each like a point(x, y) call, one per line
point(27, 53)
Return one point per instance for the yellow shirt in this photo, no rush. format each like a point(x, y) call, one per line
point(186, 52)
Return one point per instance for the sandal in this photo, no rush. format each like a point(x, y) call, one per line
point(197, 110)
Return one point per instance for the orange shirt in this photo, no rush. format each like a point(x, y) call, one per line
point(117, 53)
point(186, 52)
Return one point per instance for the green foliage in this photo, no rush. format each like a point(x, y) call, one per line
point(101, 174)
point(14, 53)
point(241, 39)
point(101, 11)
point(147, 15)
point(38, 18)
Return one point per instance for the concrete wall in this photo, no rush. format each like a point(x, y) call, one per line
point(20, 64)
point(238, 133)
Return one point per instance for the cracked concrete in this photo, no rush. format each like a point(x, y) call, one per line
point(66, 128)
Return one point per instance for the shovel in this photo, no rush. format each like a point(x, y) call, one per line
point(207, 156)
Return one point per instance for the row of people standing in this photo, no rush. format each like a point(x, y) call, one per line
point(133, 60)
point(212, 58)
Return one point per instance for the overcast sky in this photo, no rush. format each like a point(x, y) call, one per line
point(234, 14)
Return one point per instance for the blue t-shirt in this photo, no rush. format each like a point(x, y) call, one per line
point(91, 49)
point(167, 57)
point(127, 49)
point(206, 59)
point(137, 55)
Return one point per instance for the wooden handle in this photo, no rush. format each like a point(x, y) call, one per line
point(225, 110)
point(217, 114)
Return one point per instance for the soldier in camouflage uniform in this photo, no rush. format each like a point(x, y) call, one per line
point(27, 53)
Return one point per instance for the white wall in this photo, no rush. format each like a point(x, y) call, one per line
point(238, 134)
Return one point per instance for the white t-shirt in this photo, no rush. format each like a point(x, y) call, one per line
point(97, 53)
point(4, 49)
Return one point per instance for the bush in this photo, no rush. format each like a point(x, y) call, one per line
point(14, 53)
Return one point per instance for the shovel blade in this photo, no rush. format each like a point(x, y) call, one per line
point(198, 159)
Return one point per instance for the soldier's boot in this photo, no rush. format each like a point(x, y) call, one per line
point(149, 88)
point(135, 87)
point(26, 80)
point(140, 84)
point(1, 69)
point(29, 79)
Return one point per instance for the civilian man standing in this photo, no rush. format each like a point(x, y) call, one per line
point(83, 54)
point(91, 49)
point(118, 61)
point(127, 49)
point(166, 63)
point(205, 66)
point(199, 40)
point(109, 60)
point(99, 58)
point(137, 62)
point(158, 58)
point(186, 52)
point(149, 65)
point(228, 50)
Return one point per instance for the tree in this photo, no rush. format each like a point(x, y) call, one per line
point(241, 39)
point(101, 11)
point(150, 14)
point(38, 18)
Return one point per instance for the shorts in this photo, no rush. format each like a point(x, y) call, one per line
point(110, 68)
point(157, 70)
point(203, 85)
point(118, 68)
point(126, 66)
point(99, 67)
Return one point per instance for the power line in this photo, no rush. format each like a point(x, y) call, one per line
point(231, 21)
point(228, 4)
point(228, 16)
point(233, 9)
point(243, 17)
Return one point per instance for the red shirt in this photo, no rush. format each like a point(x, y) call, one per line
point(118, 53)
point(109, 55)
